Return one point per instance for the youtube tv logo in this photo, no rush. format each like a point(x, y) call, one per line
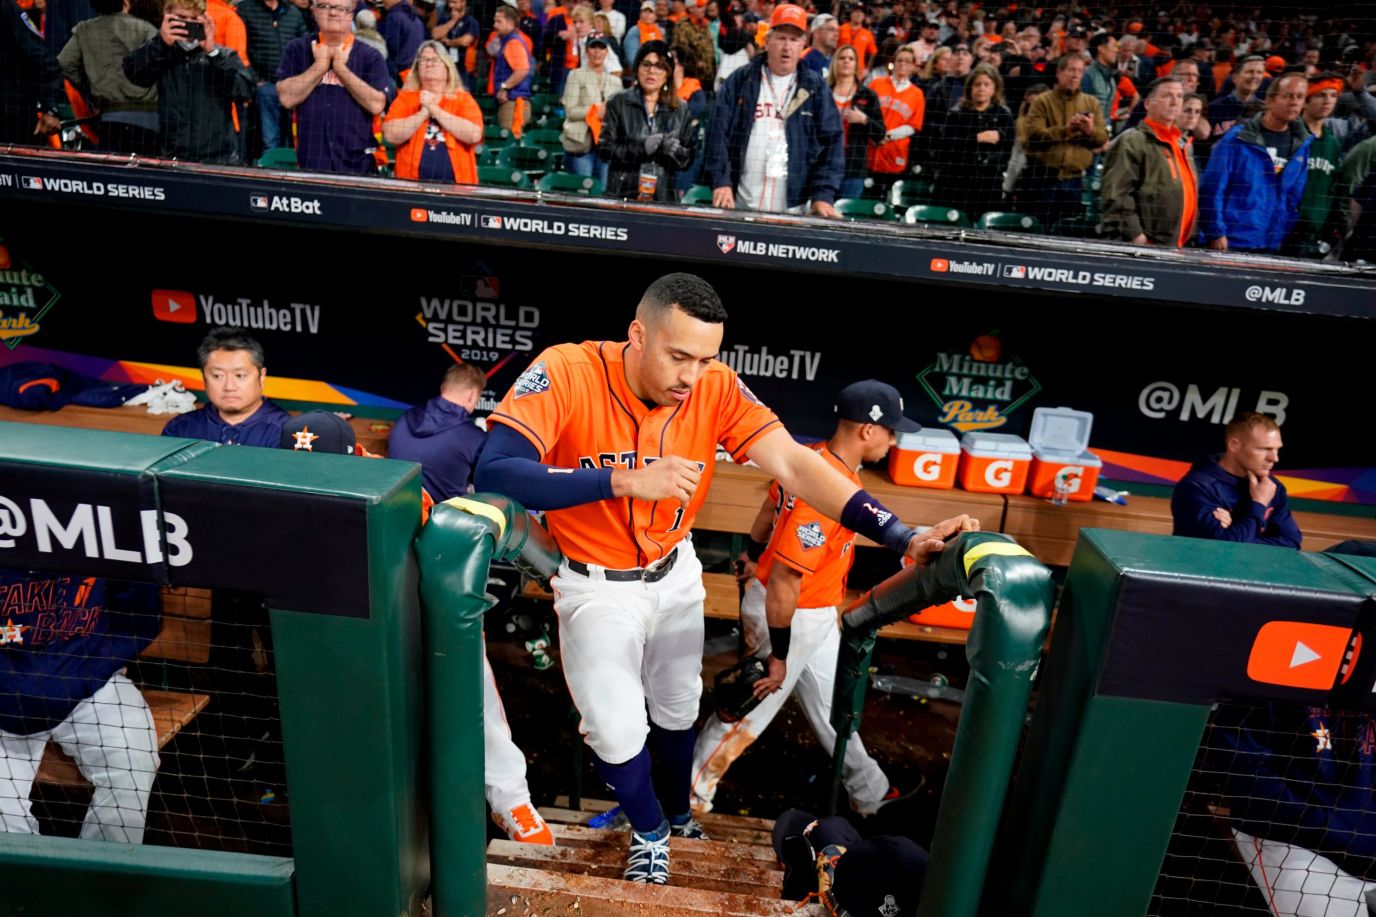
point(174, 306)
point(940, 265)
point(1299, 654)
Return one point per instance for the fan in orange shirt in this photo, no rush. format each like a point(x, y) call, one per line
point(434, 123)
point(903, 105)
point(855, 34)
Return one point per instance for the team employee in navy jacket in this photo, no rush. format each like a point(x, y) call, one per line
point(441, 434)
point(238, 414)
point(1233, 497)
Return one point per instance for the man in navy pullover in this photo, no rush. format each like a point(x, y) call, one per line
point(1233, 497)
point(64, 643)
point(238, 414)
point(441, 434)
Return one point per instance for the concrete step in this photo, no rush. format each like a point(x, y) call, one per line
point(735, 829)
point(515, 891)
point(700, 867)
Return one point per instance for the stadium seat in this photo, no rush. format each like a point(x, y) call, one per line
point(487, 156)
point(864, 209)
point(487, 105)
point(502, 177)
point(544, 139)
point(546, 104)
point(1011, 222)
point(534, 161)
point(570, 184)
point(698, 194)
point(908, 192)
point(283, 157)
point(496, 137)
point(930, 213)
point(548, 122)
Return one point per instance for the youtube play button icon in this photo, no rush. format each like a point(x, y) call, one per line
point(174, 306)
point(1298, 654)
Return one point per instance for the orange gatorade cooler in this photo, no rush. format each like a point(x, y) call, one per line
point(927, 458)
point(994, 463)
point(1059, 437)
point(958, 613)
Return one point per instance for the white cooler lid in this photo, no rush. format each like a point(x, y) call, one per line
point(996, 445)
point(929, 439)
point(1087, 459)
point(1060, 430)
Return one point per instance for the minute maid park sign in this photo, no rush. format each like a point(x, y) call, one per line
point(25, 297)
point(978, 389)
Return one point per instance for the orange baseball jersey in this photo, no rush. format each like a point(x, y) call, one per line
point(862, 39)
point(821, 549)
point(907, 106)
point(576, 407)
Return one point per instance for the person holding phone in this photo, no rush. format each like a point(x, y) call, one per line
point(198, 83)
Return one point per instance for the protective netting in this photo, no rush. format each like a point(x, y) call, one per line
point(131, 714)
point(1279, 816)
point(1021, 118)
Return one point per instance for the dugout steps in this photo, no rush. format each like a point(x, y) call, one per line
point(734, 873)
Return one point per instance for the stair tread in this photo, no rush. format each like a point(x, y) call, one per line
point(515, 891)
point(744, 821)
point(577, 835)
point(718, 830)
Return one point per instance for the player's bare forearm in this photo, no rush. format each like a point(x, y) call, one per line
point(803, 472)
point(781, 595)
point(764, 521)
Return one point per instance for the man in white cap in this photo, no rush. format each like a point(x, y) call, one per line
point(826, 34)
point(776, 143)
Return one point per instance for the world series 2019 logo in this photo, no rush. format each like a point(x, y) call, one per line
point(25, 297)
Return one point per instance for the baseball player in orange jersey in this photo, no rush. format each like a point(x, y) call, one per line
point(616, 440)
point(789, 610)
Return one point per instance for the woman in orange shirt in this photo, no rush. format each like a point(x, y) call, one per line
point(434, 123)
point(903, 105)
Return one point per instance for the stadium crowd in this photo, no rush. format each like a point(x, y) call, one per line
point(1228, 128)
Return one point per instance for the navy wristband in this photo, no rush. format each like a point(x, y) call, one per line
point(778, 642)
point(867, 516)
point(754, 549)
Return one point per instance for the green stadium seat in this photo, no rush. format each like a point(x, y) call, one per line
point(283, 157)
point(698, 194)
point(546, 139)
point(570, 184)
point(1085, 227)
point(532, 160)
point(502, 177)
point(930, 213)
point(497, 137)
point(548, 122)
point(1011, 222)
point(864, 209)
point(542, 103)
point(908, 192)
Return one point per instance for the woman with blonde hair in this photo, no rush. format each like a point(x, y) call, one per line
point(434, 122)
point(935, 69)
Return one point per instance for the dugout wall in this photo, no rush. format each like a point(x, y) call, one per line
point(328, 541)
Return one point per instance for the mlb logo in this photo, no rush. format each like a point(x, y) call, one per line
point(419, 215)
point(1018, 271)
point(726, 244)
point(940, 265)
point(491, 222)
point(481, 286)
point(258, 201)
point(31, 182)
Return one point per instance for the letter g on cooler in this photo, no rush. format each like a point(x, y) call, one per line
point(999, 474)
point(12, 522)
point(927, 466)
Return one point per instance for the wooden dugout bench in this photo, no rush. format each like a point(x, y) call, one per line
point(185, 637)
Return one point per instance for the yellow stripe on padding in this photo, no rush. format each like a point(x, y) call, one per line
point(478, 508)
point(994, 548)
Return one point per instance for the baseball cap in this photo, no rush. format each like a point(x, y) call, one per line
point(1275, 64)
point(872, 401)
point(597, 40)
point(788, 14)
point(647, 5)
point(319, 431)
point(822, 19)
point(880, 875)
point(1077, 33)
point(931, 25)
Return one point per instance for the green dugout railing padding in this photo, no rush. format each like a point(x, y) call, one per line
point(326, 540)
point(1150, 633)
point(462, 538)
point(1014, 595)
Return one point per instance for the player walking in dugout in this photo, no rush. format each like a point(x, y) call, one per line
point(616, 440)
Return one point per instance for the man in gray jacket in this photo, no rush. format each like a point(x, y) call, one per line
point(93, 59)
point(1150, 190)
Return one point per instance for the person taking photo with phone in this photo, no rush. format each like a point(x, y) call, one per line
point(198, 83)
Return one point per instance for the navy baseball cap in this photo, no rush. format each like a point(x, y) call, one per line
point(880, 875)
point(872, 401)
point(319, 431)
